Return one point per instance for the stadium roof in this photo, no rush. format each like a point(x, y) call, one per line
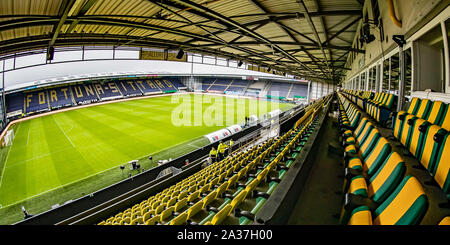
point(307, 38)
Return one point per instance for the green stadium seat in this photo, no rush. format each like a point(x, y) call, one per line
point(405, 206)
point(430, 147)
point(441, 170)
point(445, 120)
point(408, 126)
point(437, 111)
point(400, 117)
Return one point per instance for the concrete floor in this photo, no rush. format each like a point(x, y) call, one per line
point(319, 202)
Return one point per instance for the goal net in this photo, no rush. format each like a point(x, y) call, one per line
point(9, 138)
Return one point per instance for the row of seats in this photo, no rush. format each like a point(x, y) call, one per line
point(423, 130)
point(377, 192)
point(374, 183)
point(220, 190)
point(377, 105)
point(382, 99)
point(350, 115)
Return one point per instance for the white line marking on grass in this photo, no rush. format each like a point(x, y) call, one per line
point(194, 146)
point(57, 123)
point(7, 156)
point(28, 138)
point(79, 180)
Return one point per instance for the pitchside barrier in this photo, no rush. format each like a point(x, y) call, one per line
point(109, 200)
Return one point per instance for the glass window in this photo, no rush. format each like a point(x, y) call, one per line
point(197, 59)
point(67, 56)
point(429, 55)
point(362, 83)
point(408, 72)
point(386, 65)
point(9, 64)
point(221, 62)
point(97, 54)
point(447, 27)
point(395, 74)
point(29, 60)
point(377, 78)
point(372, 77)
point(209, 60)
point(233, 63)
point(126, 54)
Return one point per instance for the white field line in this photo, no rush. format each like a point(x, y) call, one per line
point(83, 106)
point(57, 123)
point(61, 186)
point(28, 138)
point(6, 160)
point(95, 104)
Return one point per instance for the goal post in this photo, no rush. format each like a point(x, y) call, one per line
point(9, 138)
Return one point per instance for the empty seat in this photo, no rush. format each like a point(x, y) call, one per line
point(408, 125)
point(380, 185)
point(424, 109)
point(445, 221)
point(179, 220)
point(405, 206)
point(431, 144)
point(445, 120)
point(399, 119)
point(383, 182)
point(437, 111)
point(441, 171)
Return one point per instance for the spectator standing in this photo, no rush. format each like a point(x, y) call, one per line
point(213, 155)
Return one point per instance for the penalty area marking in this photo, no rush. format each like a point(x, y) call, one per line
point(57, 123)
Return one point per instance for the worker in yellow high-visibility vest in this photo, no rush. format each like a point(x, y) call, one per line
point(213, 155)
point(221, 148)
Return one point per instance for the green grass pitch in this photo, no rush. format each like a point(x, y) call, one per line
point(56, 152)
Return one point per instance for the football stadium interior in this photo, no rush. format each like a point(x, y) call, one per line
point(225, 112)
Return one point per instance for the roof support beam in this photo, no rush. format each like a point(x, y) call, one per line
point(312, 26)
point(63, 12)
point(81, 12)
point(342, 30)
point(279, 24)
point(230, 22)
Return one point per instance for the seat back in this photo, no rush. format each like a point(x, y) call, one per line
point(431, 147)
point(355, 119)
point(442, 169)
point(414, 106)
point(390, 101)
point(387, 177)
point(424, 109)
point(445, 120)
point(398, 125)
point(405, 206)
point(436, 112)
point(405, 137)
point(365, 133)
point(377, 156)
point(361, 126)
point(383, 99)
point(368, 144)
point(416, 142)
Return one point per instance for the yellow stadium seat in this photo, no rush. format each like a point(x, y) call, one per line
point(153, 220)
point(179, 220)
point(166, 213)
point(221, 215)
point(195, 209)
